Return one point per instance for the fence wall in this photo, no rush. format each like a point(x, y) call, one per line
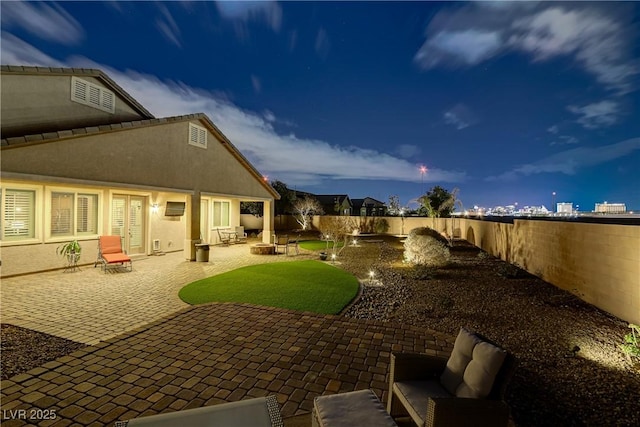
point(600, 263)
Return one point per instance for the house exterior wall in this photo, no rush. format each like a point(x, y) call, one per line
point(39, 254)
point(52, 143)
point(34, 102)
point(599, 263)
point(157, 156)
point(154, 162)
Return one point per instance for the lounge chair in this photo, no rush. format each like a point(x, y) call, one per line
point(111, 254)
point(465, 390)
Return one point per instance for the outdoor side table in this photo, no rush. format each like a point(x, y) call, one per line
point(355, 408)
point(258, 412)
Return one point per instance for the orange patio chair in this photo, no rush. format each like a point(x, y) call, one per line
point(110, 253)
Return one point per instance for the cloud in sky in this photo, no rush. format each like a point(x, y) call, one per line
point(309, 161)
point(590, 34)
point(322, 46)
point(464, 47)
point(256, 83)
point(244, 11)
point(460, 116)
point(168, 27)
point(570, 161)
point(47, 21)
point(407, 151)
point(596, 115)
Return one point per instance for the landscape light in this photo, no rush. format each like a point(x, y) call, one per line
point(371, 274)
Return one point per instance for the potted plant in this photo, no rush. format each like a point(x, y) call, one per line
point(71, 250)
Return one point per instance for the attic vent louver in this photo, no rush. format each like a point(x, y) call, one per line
point(197, 136)
point(90, 94)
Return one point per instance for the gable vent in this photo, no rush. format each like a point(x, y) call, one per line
point(90, 94)
point(197, 136)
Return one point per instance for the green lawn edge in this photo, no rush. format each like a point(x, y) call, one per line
point(307, 285)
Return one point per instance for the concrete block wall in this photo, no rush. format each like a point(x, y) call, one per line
point(600, 263)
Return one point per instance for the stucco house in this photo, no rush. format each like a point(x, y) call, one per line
point(335, 204)
point(368, 207)
point(81, 158)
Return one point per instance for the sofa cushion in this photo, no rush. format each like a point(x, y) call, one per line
point(414, 396)
point(481, 371)
point(462, 353)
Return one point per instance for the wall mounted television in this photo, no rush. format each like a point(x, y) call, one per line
point(174, 209)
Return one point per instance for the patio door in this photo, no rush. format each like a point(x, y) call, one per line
point(128, 221)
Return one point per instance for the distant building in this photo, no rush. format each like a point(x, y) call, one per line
point(564, 208)
point(335, 204)
point(610, 207)
point(368, 207)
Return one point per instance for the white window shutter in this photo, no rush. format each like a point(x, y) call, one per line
point(19, 214)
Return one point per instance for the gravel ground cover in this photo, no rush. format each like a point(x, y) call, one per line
point(571, 371)
point(24, 349)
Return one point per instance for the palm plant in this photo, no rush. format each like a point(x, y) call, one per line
point(70, 250)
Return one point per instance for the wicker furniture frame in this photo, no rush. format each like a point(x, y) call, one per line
point(450, 411)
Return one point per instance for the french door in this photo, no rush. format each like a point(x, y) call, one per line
point(128, 221)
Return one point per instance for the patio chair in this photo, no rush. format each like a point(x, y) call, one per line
point(241, 235)
point(111, 254)
point(282, 241)
point(465, 390)
point(293, 242)
point(224, 240)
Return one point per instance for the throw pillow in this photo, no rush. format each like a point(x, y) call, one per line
point(481, 371)
point(452, 376)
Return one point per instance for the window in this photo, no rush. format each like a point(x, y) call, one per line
point(62, 214)
point(87, 214)
point(18, 214)
point(73, 214)
point(92, 95)
point(197, 136)
point(220, 214)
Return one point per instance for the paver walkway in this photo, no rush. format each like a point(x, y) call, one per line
point(212, 354)
point(89, 306)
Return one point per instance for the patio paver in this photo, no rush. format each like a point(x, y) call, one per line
point(212, 354)
point(89, 306)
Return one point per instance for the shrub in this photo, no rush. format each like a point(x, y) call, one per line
point(381, 225)
point(632, 342)
point(425, 246)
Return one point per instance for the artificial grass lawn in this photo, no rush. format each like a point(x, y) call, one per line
point(317, 245)
point(297, 285)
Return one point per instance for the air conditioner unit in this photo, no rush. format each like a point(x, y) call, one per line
point(156, 245)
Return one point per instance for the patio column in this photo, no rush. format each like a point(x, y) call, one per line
point(267, 221)
point(192, 235)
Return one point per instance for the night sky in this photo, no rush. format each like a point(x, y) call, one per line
point(506, 101)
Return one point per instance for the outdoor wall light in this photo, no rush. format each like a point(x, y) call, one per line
point(154, 208)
